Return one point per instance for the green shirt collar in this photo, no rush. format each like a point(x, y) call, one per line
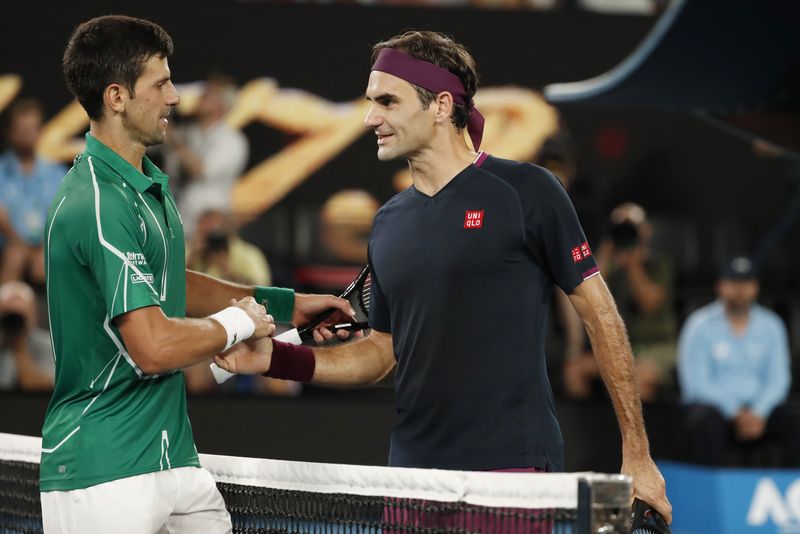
point(140, 181)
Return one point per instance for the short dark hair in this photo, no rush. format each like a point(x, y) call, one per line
point(443, 51)
point(110, 49)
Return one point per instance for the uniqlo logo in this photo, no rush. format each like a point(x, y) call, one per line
point(580, 252)
point(473, 219)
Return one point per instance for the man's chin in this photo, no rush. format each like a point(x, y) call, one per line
point(385, 154)
point(156, 139)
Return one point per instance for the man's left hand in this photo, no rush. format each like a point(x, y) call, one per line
point(648, 484)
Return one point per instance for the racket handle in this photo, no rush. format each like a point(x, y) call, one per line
point(222, 376)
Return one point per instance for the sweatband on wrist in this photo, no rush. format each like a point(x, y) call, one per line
point(237, 324)
point(291, 362)
point(279, 302)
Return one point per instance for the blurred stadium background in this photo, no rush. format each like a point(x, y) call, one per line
point(687, 131)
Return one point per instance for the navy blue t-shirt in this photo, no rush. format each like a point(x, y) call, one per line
point(463, 281)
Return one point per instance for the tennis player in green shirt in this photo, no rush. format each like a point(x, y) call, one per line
point(125, 314)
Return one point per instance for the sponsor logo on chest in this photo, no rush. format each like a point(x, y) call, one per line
point(473, 219)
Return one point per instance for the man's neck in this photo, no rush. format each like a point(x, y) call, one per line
point(738, 318)
point(120, 142)
point(435, 166)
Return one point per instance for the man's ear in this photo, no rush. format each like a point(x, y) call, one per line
point(116, 97)
point(444, 106)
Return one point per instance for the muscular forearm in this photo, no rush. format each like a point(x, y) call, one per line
point(615, 361)
point(612, 350)
point(206, 295)
point(359, 363)
point(170, 343)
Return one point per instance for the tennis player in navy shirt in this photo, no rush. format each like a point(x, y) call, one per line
point(463, 265)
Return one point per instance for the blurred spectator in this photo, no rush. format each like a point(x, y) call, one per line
point(216, 250)
point(206, 156)
point(641, 281)
point(26, 355)
point(735, 372)
point(28, 184)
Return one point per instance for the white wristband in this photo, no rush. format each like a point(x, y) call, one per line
point(237, 324)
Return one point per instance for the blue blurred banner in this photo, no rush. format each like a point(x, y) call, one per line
point(732, 501)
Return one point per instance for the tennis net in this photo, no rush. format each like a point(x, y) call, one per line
point(275, 496)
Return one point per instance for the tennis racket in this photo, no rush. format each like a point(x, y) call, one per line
point(646, 520)
point(358, 294)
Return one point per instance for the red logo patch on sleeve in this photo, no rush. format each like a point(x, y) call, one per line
point(581, 252)
point(473, 219)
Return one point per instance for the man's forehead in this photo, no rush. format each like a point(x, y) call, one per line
point(382, 83)
point(156, 66)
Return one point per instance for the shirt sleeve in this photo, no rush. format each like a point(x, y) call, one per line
point(115, 253)
point(553, 232)
point(776, 381)
point(379, 316)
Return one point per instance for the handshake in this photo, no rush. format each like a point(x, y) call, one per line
point(249, 349)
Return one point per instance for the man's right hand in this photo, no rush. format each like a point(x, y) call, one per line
point(251, 357)
point(264, 323)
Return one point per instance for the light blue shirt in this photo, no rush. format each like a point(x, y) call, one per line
point(731, 371)
point(27, 197)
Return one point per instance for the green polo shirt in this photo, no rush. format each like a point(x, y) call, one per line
point(113, 243)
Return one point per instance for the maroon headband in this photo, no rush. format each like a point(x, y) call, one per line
point(434, 79)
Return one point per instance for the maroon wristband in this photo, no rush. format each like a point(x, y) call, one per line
point(291, 362)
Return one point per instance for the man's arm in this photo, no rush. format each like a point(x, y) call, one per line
point(206, 295)
point(596, 308)
point(359, 363)
point(159, 344)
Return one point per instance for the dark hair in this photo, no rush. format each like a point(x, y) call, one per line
point(110, 49)
point(444, 52)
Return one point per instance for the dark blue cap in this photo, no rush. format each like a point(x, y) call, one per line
point(739, 268)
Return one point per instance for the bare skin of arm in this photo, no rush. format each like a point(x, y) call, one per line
point(159, 344)
point(596, 308)
point(360, 363)
point(206, 295)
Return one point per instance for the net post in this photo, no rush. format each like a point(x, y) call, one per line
point(584, 521)
point(604, 503)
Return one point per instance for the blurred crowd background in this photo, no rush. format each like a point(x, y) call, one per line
point(277, 183)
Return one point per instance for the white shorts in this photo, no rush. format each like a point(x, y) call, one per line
point(175, 501)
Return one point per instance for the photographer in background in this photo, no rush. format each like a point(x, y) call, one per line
point(641, 281)
point(26, 355)
point(216, 250)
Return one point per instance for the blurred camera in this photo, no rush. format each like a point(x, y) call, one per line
point(625, 235)
point(216, 241)
point(12, 325)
